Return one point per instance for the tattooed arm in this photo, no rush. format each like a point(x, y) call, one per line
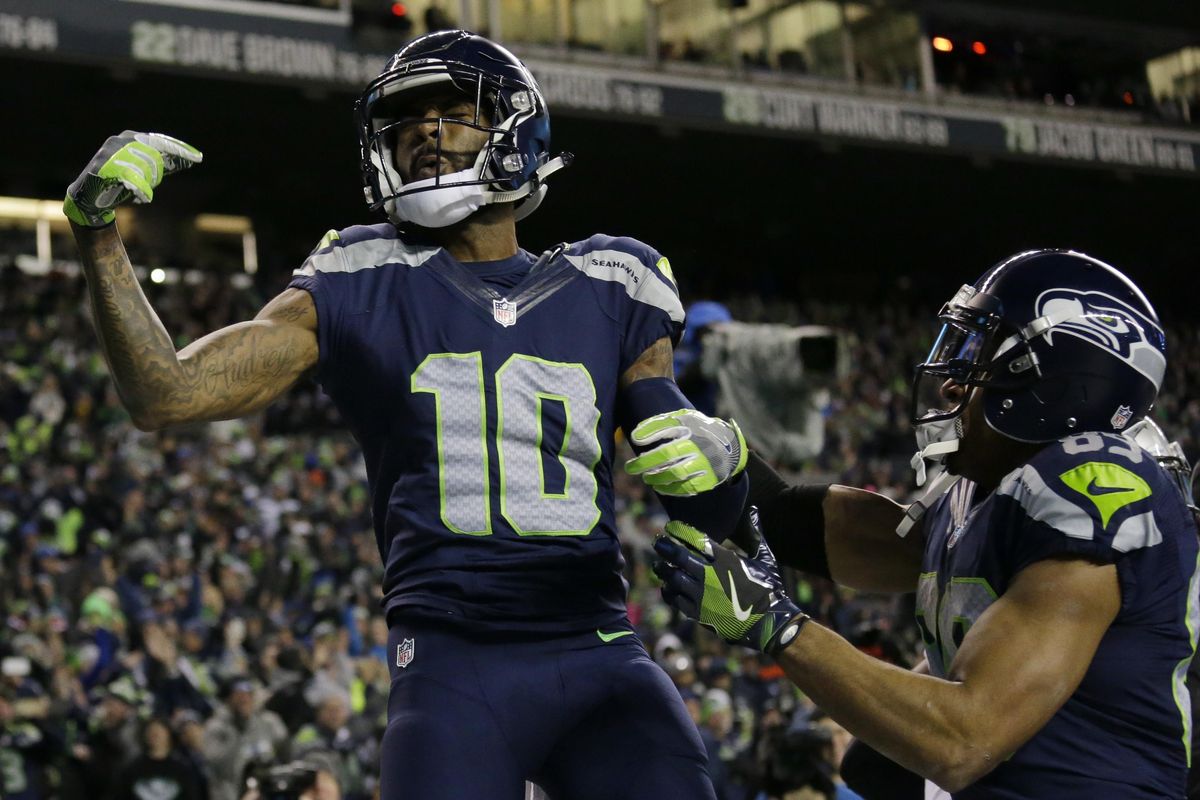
point(656, 361)
point(229, 373)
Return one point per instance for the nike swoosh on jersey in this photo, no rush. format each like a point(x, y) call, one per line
point(1096, 491)
point(608, 637)
point(741, 614)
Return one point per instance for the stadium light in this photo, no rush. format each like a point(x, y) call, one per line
point(157, 275)
point(979, 48)
point(942, 44)
point(223, 223)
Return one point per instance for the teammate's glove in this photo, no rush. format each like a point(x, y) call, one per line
point(697, 452)
point(741, 598)
point(127, 167)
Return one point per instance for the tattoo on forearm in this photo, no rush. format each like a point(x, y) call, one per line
point(233, 371)
point(246, 362)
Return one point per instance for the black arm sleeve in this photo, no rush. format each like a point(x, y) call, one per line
point(791, 518)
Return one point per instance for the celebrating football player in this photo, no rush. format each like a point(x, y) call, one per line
point(1055, 571)
point(484, 384)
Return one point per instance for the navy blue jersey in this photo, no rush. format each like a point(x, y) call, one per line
point(483, 398)
point(1126, 731)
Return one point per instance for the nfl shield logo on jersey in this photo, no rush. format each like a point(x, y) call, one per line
point(404, 652)
point(1121, 417)
point(505, 311)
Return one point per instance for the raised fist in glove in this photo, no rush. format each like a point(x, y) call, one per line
point(741, 598)
point(696, 452)
point(128, 167)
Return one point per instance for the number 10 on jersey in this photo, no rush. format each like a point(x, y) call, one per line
point(522, 387)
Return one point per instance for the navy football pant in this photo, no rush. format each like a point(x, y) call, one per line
point(584, 719)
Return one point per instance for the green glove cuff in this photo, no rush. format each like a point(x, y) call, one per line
point(76, 215)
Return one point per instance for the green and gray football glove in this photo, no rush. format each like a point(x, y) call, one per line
point(128, 167)
point(697, 453)
point(741, 598)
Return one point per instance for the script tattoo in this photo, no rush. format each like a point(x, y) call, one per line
point(656, 361)
point(232, 372)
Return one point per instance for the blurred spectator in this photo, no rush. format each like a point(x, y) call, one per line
point(149, 570)
point(25, 747)
point(159, 773)
point(189, 732)
point(327, 742)
point(238, 735)
point(113, 737)
point(717, 733)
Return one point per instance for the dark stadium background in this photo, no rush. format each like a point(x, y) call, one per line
point(735, 213)
point(881, 234)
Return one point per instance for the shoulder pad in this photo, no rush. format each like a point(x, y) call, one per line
point(645, 274)
point(363, 247)
point(1097, 487)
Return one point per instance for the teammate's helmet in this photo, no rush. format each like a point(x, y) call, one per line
point(508, 105)
point(1060, 342)
point(1168, 454)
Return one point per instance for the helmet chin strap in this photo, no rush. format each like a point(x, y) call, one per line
point(935, 441)
point(459, 198)
point(916, 510)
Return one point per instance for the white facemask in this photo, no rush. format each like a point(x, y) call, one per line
point(446, 205)
point(434, 208)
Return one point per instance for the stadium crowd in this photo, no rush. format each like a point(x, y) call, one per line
point(181, 606)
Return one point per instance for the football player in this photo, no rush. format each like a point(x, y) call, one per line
point(484, 384)
point(1056, 570)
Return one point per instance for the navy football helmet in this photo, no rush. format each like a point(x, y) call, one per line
point(509, 106)
point(1060, 343)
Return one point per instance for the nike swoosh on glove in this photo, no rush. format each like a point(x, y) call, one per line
point(741, 598)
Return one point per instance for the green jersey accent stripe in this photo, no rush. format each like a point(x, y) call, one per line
point(1110, 487)
point(1179, 687)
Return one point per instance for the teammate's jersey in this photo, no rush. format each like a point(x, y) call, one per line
point(483, 398)
point(1126, 731)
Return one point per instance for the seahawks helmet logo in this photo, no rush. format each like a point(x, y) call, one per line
point(1111, 324)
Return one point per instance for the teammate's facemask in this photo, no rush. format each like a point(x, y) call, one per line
point(970, 323)
point(1168, 454)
